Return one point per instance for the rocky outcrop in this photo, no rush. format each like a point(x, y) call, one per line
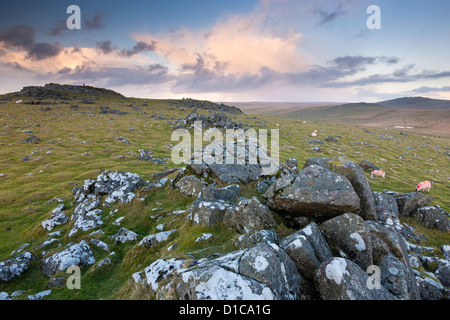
point(433, 217)
point(261, 272)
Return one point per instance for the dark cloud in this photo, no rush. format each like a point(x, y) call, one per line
point(431, 89)
point(94, 23)
point(105, 47)
point(42, 50)
point(58, 28)
point(328, 17)
point(108, 76)
point(23, 37)
point(353, 62)
point(141, 46)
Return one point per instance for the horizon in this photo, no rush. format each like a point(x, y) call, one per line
point(259, 50)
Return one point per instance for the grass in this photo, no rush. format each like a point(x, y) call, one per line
point(56, 164)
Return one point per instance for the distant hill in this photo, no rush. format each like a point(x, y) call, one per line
point(416, 103)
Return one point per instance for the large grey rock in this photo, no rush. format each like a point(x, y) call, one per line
point(249, 216)
point(271, 265)
point(228, 193)
point(315, 191)
point(217, 283)
point(261, 272)
point(349, 236)
point(385, 206)
point(190, 185)
point(433, 217)
point(430, 289)
point(247, 241)
point(77, 254)
point(15, 266)
point(394, 276)
point(301, 252)
point(387, 239)
point(342, 279)
point(59, 219)
point(408, 203)
point(443, 272)
point(355, 174)
point(320, 246)
point(209, 212)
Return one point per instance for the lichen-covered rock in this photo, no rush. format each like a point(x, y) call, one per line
point(301, 252)
point(124, 235)
point(349, 236)
point(261, 272)
point(385, 206)
point(342, 279)
point(320, 246)
point(228, 193)
point(77, 254)
point(270, 265)
point(190, 185)
point(57, 220)
point(315, 191)
point(394, 276)
point(15, 266)
point(161, 270)
point(210, 212)
point(443, 272)
point(248, 241)
point(156, 238)
point(249, 216)
point(408, 203)
point(433, 217)
point(118, 186)
point(87, 221)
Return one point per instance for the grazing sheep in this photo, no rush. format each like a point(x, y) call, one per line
point(19, 101)
point(424, 185)
point(314, 134)
point(378, 173)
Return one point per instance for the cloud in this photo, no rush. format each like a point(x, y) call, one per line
point(328, 17)
point(96, 22)
point(20, 36)
point(139, 47)
point(58, 28)
point(105, 47)
point(23, 37)
point(431, 89)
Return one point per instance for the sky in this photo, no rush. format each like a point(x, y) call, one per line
point(252, 50)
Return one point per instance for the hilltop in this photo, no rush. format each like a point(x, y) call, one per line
point(90, 177)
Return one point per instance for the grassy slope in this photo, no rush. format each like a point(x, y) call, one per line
point(25, 200)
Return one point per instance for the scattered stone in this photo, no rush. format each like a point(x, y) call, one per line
point(15, 266)
point(76, 254)
point(40, 295)
point(156, 238)
point(31, 139)
point(124, 235)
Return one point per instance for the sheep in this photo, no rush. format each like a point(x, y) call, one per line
point(19, 101)
point(378, 173)
point(314, 134)
point(424, 185)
